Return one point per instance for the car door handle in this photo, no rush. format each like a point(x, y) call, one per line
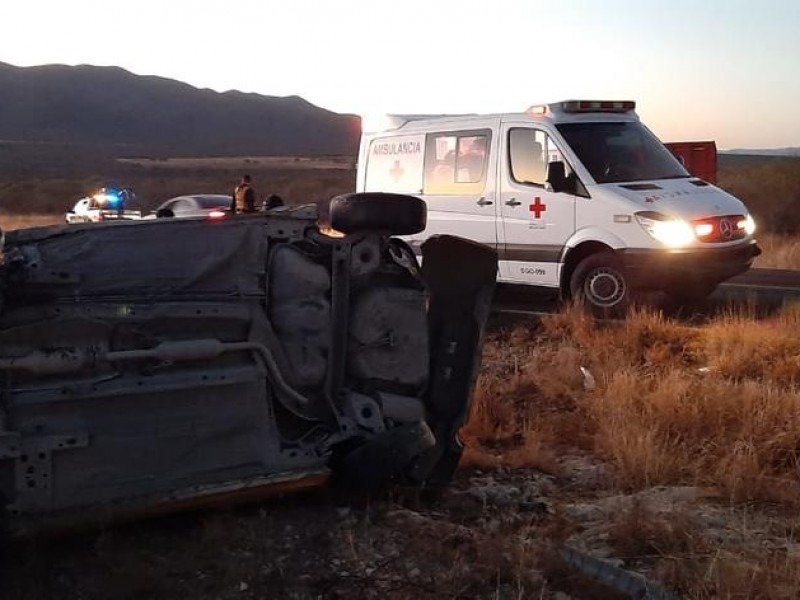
point(513, 202)
point(485, 202)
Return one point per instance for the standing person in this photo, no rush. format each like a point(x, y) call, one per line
point(244, 197)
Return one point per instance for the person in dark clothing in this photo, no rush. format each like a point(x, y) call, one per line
point(244, 197)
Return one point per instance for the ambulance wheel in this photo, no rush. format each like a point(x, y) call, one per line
point(600, 284)
point(395, 214)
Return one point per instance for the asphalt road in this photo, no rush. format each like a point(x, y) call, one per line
point(763, 291)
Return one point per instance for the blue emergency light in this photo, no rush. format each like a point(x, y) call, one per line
point(113, 198)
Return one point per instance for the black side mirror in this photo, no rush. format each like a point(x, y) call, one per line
point(162, 213)
point(557, 177)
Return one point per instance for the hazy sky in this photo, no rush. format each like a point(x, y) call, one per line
point(698, 69)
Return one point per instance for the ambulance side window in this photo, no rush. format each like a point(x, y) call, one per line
point(530, 151)
point(456, 162)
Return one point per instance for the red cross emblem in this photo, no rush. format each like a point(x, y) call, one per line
point(537, 208)
point(396, 171)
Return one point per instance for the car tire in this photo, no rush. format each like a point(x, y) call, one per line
point(601, 285)
point(395, 214)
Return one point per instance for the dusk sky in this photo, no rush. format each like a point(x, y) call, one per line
point(722, 70)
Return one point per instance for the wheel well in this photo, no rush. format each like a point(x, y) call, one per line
point(576, 255)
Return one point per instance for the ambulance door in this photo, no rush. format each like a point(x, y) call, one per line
point(459, 187)
point(536, 222)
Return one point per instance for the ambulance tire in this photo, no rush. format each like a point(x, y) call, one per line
point(600, 284)
point(395, 214)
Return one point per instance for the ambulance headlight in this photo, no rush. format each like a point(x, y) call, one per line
point(673, 233)
point(748, 224)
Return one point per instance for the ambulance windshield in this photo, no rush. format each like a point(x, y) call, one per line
point(621, 152)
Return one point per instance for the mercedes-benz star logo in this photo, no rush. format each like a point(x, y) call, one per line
point(725, 229)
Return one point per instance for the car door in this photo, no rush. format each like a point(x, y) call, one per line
point(186, 207)
point(459, 185)
point(81, 211)
point(536, 222)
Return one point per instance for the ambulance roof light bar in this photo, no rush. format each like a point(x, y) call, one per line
point(584, 106)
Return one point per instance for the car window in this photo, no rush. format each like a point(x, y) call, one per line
point(530, 152)
point(213, 201)
point(621, 151)
point(184, 205)
point(455, 162)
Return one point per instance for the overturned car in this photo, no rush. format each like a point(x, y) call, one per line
point(149, 366)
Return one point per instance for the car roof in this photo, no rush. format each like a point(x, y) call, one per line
point(201, 197)
point(222, 199)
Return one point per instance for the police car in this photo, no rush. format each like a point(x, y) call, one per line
point(103, 205)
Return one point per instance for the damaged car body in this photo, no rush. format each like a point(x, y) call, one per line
point(150, 366)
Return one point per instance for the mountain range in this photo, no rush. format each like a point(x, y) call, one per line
point(108, 110)
point(134, 115)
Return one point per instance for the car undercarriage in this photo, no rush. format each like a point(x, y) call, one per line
point(153, 365)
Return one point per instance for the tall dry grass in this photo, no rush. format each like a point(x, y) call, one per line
point(779, 251)
point(716, 406)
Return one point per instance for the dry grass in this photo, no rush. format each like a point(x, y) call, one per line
point(689, 561)
point(298, 184)
point(770, 189)
point(779, 251)
point(12, 221)
point(243, 163)
point(716, 408)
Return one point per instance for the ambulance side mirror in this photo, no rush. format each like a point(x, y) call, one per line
point(557, 177)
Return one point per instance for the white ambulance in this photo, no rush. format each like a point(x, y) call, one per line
point(576, 195)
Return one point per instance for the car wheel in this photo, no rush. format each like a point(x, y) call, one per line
point(600, 283)
point(395, 214)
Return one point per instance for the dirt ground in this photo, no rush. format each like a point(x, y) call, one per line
point(493, 534)
point(482, 537)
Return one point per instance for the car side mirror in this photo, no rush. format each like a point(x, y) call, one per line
point(162, 213)
point(557, 177)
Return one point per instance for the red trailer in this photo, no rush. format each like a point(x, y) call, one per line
point(699, 158)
